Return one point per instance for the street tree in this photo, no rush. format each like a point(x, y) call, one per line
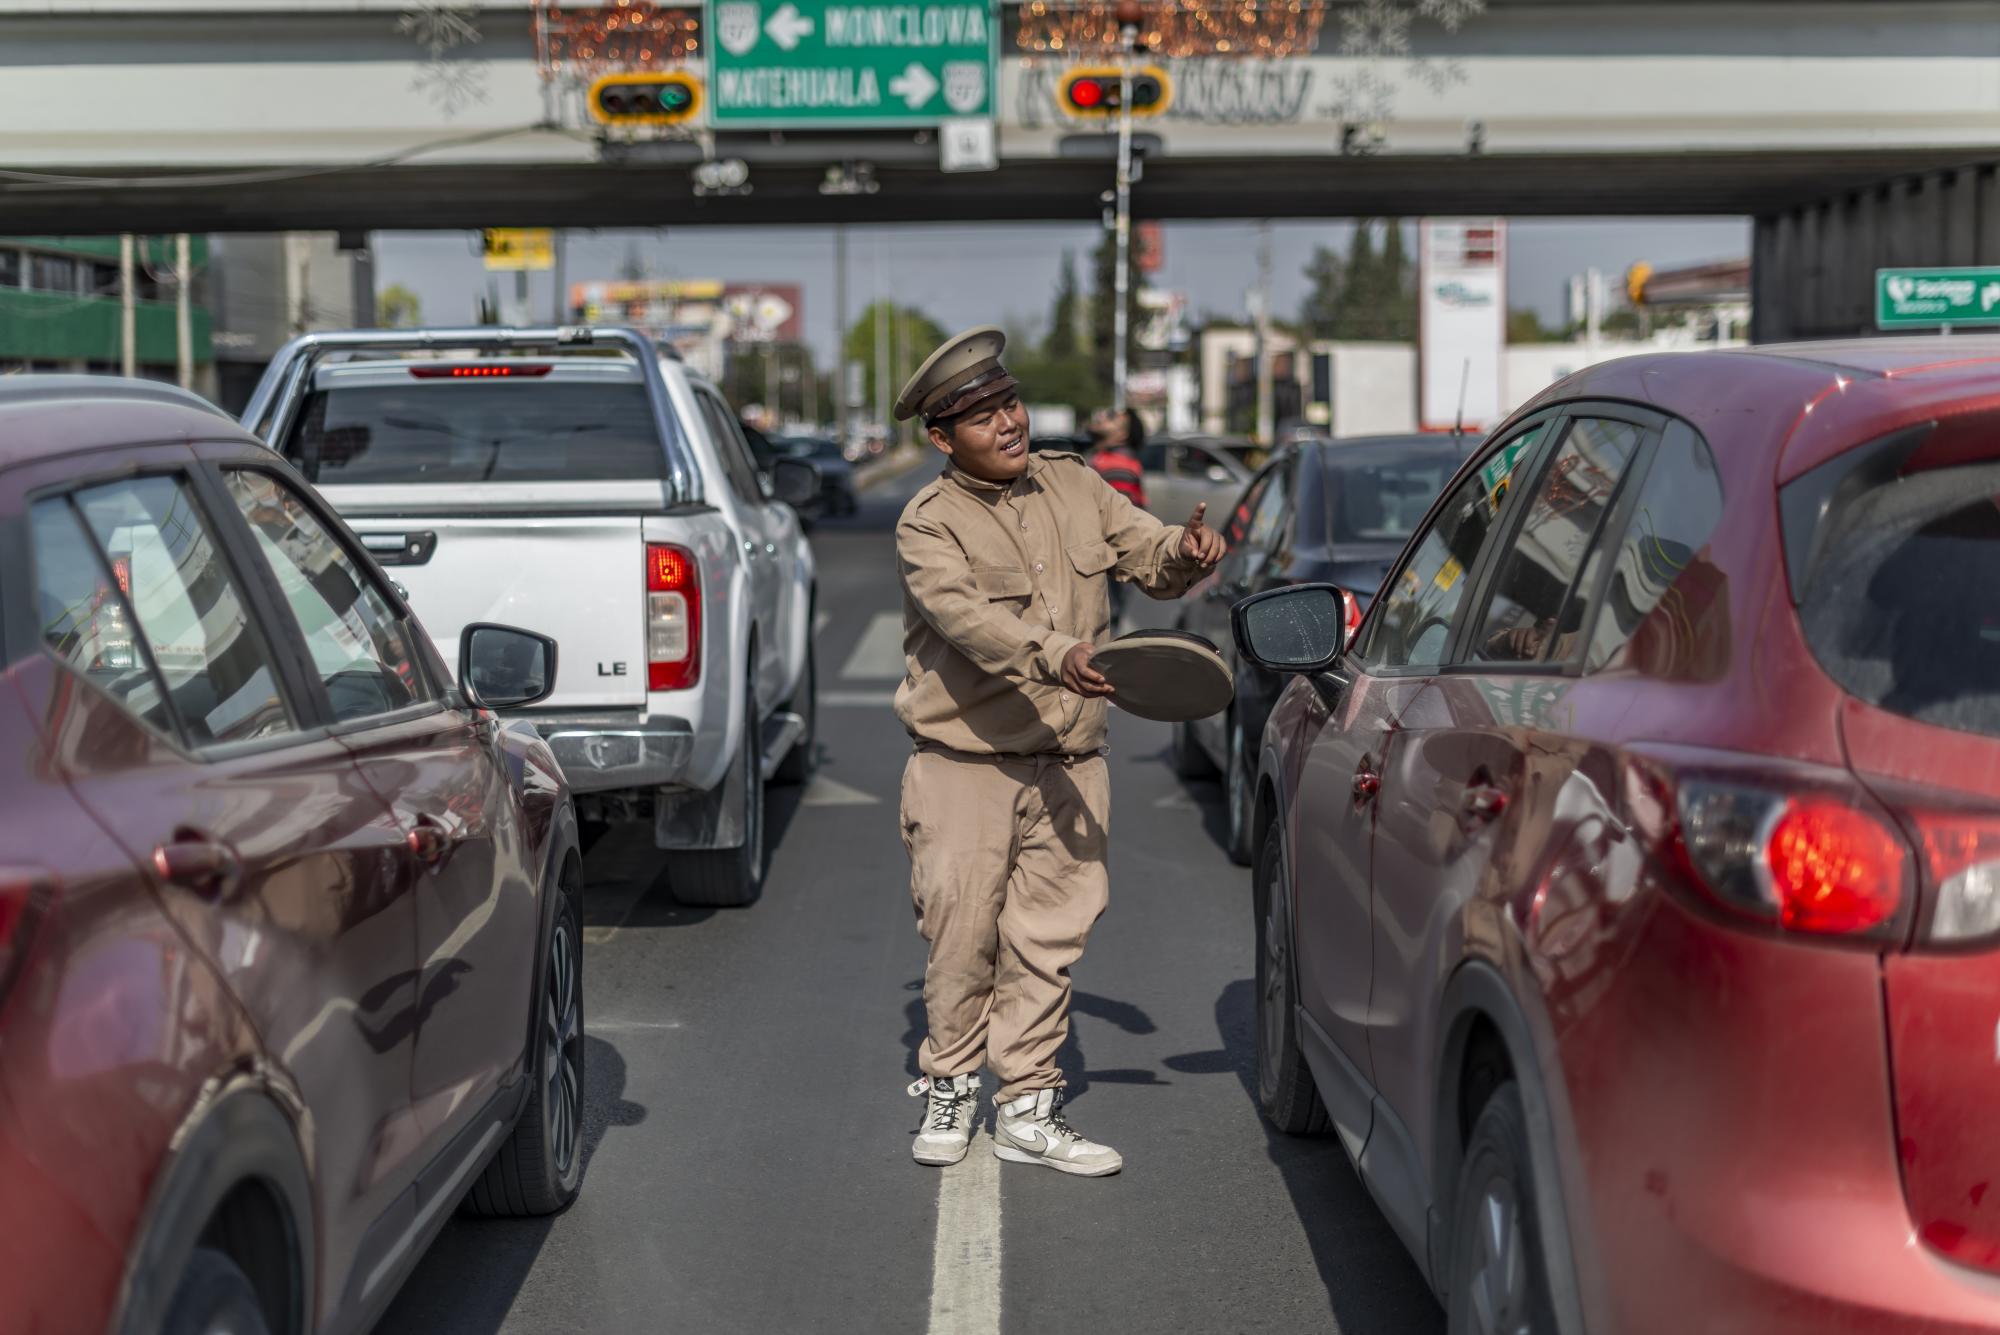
point(399, 308)
point(912, 336)
point(1325, 279)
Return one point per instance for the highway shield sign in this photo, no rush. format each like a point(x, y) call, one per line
point(1926, 298)
point(811, 63)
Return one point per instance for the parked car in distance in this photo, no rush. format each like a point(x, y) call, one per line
point(1181, 473)
point(837, 496)
point(1628, 890)
point(1329, 511)
point(290, 923)
point(588, 480)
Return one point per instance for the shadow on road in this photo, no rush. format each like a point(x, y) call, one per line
point(468, 1281)
point(1370, 1280)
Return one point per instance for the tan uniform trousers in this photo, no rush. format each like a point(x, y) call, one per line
point(1007, 870)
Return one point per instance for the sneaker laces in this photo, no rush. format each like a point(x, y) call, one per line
point(945, 1096)
point(1056, 1123)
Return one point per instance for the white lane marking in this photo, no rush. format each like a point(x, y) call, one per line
point(1177, 801)
point(857, 699)
point(879, 652)
point(965, 1260)
point(825, 792)
point(628, 1026)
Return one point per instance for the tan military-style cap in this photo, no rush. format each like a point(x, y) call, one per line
point(965, 371)
point(1170, 676)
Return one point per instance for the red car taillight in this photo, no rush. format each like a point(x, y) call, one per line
point(673, 618)
point(1825, 863)
point(24, 893)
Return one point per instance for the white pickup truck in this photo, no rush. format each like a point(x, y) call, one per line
point(586, 482)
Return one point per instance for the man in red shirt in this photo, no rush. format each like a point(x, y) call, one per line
point(1117, 436)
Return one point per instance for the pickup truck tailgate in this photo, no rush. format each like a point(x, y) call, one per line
point(575, 578)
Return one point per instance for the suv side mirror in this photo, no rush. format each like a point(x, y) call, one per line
point(1217, 473)
point(797, 481)
point(500, 667)
point(1300, 628)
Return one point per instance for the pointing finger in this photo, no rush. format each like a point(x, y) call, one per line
point(1200, 509)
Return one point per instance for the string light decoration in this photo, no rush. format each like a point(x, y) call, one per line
point(1259, 29)
point(582, 41)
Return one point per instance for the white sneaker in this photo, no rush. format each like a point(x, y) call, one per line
point(947, 1129)
point(1031, 1129)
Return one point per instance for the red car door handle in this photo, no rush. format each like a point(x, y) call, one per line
point(199, 864)
point(429, 841)
point(1484, 801)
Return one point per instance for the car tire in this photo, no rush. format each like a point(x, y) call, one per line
point(730, 878)
point(1237, 783)
point(539, 1167)
point(1499, 1272)
point(1285, 1088)
point(214, 1297)
point(1189, 760)
point(800, 762)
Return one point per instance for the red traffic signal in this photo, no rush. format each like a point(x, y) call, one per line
point(644, 99)
point(1093, 92)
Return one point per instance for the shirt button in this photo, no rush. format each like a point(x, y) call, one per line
point(1038, 567)
point(1024, 526)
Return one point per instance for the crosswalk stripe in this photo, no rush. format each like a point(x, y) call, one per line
point(879, 652)
point(825, 792)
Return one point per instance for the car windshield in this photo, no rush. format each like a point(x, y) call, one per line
point(810, 448)
point(1381, 495)
point(460, 431)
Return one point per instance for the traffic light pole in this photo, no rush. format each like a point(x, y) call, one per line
point(1128, 35)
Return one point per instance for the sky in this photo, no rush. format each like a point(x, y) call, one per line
point(970, 274)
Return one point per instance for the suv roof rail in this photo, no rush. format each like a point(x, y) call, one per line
point(38, 388)
point(286, 378)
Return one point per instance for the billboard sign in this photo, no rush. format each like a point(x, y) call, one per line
point(1461, 321)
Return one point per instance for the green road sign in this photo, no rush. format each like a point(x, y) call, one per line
point(1908, 298)
point(812, 63)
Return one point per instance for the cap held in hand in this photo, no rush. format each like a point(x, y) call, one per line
point(1169, 676)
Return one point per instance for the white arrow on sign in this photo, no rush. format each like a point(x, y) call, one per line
point(915, 85)
point(787, 26)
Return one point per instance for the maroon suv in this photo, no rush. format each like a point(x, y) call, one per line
point(289, 924)
point(1629, 891)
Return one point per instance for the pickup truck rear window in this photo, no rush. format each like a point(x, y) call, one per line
point(457, 431)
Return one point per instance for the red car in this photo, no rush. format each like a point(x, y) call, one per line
point(1628, 894)
point(290, 934)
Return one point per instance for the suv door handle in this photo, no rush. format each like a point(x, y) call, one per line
point(429, 841)
point(1483, 801)
point(195, 862)
point(1367, 782)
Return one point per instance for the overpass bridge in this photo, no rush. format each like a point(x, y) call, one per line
point(220, 115)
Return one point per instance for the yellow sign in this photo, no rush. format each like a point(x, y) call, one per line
point(520, 248)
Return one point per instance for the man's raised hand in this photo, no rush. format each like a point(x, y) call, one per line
point(1200, 542)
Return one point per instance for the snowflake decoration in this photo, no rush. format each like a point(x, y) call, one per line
point(1451, 14)
point(441, 28)
point(1376, 28)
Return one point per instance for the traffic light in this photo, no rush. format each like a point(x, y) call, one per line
point(644, 99)
point(1091, 92)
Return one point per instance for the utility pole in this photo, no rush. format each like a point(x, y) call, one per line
point(773, 393)
point(841, 405)
point(883, 394)
point(1129, 13)
point(810, 389)
point(128, 319)
point(183, 312)
point(1266, 427)
point(558, 299)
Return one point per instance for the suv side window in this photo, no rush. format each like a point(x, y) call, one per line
point(1238, 526)
point(1419, 604)
point(361, 650)
point(1538, 606)
point(1678, 507)
point(167, 634)
point(729, 443)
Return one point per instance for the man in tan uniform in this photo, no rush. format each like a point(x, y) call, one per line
point(1006, 564)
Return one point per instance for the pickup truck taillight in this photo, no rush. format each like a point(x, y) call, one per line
point(673, 618)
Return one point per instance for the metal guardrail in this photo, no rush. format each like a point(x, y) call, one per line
point(278, 393)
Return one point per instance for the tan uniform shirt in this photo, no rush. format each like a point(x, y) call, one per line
point(1000, 582)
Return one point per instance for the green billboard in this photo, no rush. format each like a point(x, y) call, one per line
point(1925, 298)
point(809, 63)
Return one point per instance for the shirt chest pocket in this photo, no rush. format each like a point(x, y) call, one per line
point(1092, 558)
point(998, 582)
